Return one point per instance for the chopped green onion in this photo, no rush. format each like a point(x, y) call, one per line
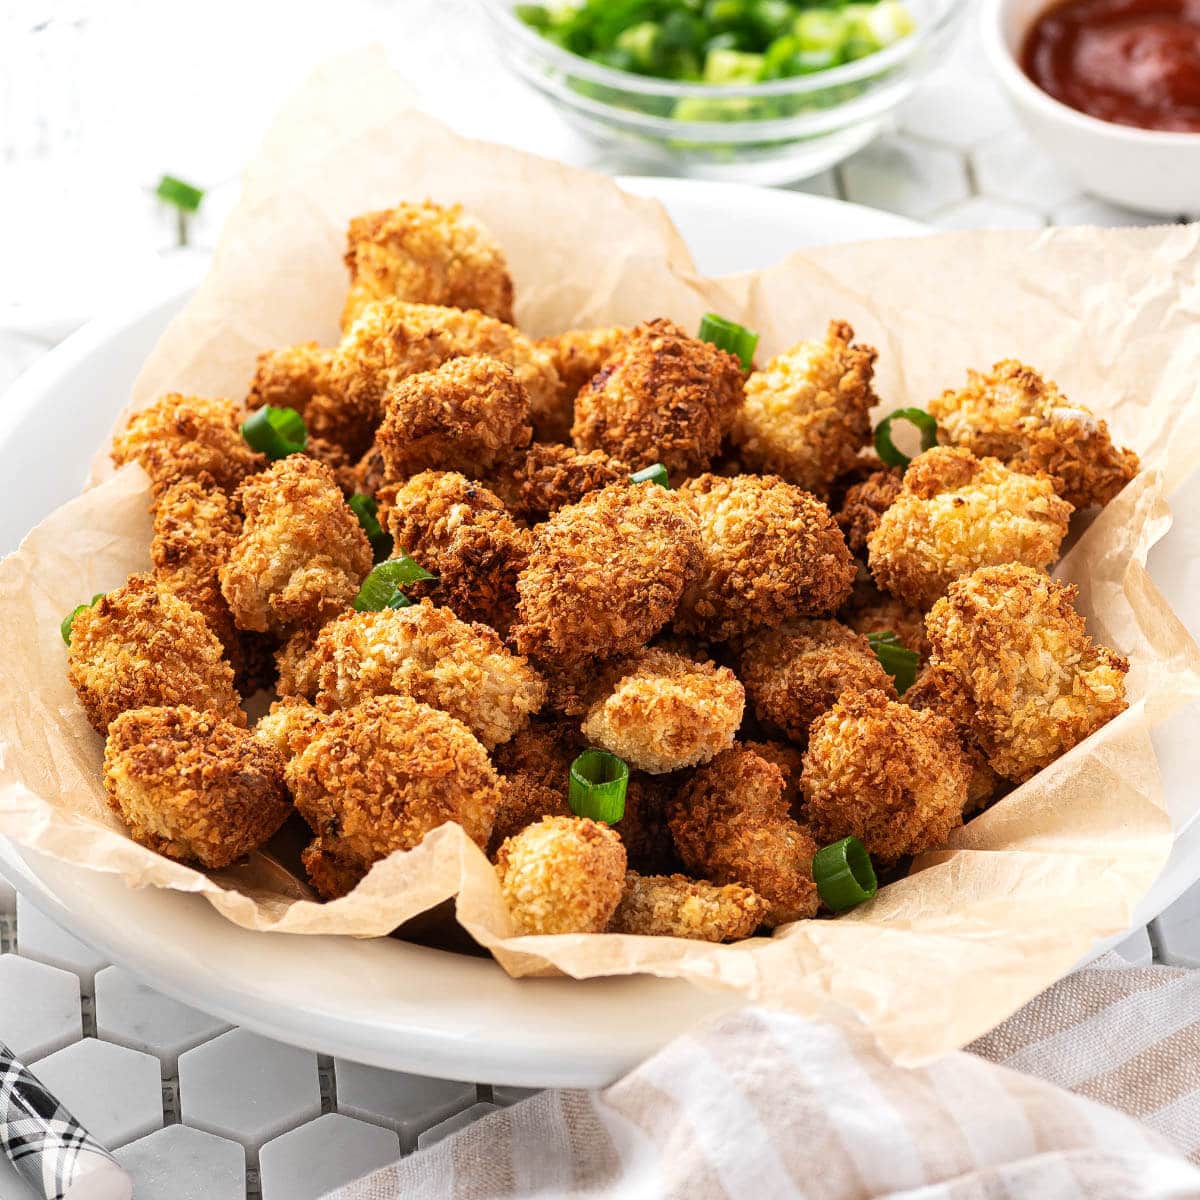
point(597, 786)
point(729, 335)
point(643, 42)
point(655, 473)
point(275, 432)
point(69, 620)
point(843, 874)
point(367, 512)
point(895, 658)
point(733, 66)
point(884, 445)
point(176, 192)
point(383, 587)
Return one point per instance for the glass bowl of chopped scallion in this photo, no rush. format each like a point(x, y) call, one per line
point(758, 91)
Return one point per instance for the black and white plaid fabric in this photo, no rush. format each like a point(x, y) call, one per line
point(45, 1143)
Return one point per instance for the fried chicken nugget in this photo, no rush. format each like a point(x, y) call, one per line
point(302, 554)
point(378, 777)
point(549, 477)
point(604, 575)
point(885, 773)
point(795, 674)
point(562, 875)
point(467, 415)
point(790, 761)
point(676, 906)
point(865, 502)
point(731, 824)
point(193, 786)
point(661, 397)
point(179, 437)
point(772, 552)
point(1013, 414)
point(534, 771)
point(427, 253)
point(288, 726)
point(139, 646)
point(427, 653)
point(661, 712)
point(957, 512)
point(1035, 683)
point(806, 412)
point(296, 667)
point(577, 355)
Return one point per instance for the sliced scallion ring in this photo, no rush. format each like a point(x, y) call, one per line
point(729, 335)
point(886, 448)
point(381, 588)
point(655, 473)
point(367, 512)
point(275, 432)
point(597, 786)
point(895, 658)
point(844, 874)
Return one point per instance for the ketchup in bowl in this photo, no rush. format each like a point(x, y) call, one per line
point(1133, 62)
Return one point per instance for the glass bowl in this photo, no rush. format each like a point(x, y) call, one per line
point(773, 132)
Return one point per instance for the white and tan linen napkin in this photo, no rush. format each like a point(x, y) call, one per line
point(757, 1105)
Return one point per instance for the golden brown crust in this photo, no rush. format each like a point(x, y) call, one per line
point(865, 502)
point(676, 906)
point(296, 665)
point(193, 786)
point(957, 512)
point(996, 630)
point(790, 761)
point(661, 397)
point(562, 875)
point(534, 768)
point(771, 552)
point(331, 875)
point(884, 773)
point(288, 726)
point(577, 355)
point(140, 646)
point(549, 477)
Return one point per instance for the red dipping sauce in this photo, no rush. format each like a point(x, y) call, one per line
point(1133, 62)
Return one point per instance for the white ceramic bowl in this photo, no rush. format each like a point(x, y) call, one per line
point(1148, 170)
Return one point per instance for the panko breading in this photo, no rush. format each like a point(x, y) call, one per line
point(864, 503)
point(771, 552)
point(378, 777)
point(1013, 414)
point(296, 666)
point(180, 437)
point(193, 786)
point(330, 870)
point(790, 761)
point(139, 647)
point(806, 412)
point(302, 554)
point(1036, 683)
point(957, 512)
point(427, 253)
point(467, 415)
point(289, 725)
point(676, 906)
point(885, 773)
point(795, 674)
point(661, 712)
point(562, 875)
point(661, 397)
point(549, 477)
point(577, 355)
point(429, 654)
point(534, 776)
point(873, 611)
point(604, 575)
point(731, 824)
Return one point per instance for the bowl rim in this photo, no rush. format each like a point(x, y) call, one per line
point(1003, 61)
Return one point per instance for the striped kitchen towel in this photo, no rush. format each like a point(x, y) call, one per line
point(757, 1105)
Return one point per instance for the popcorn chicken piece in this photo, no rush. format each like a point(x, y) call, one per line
point(676, 906)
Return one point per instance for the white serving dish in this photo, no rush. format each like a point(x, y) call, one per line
point(383, 1001)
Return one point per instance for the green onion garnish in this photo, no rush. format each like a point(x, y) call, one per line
point(597, 786)
point(884, 446)
point(69, 619)
point(367, 512)
point(383, 587)
point(182, 195)
point(655, 473)
point(275, 432)
point(729, 335)
point(843, 874)
point(895, 658)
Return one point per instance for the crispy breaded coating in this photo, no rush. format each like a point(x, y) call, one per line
point(957, 512)
point(661, 397)
point(289, 725)
point(193, 786)
point(1035, 682)
point(336, 458)
point(577, 355)
point(790, 761)
point(302, 554)
point(427, 653)
point(427, 253)
point(806, 412)
point(676, 906)
point(562, 875)
point(138, 647)
point(296, 665)
point(873, 611)
point(662, 712)
point(378, 777)
point(1013, 414)
point(369, 473)
point(864, 503)
point(731, 824)
point(534, 776)
point(890, 776)
point(772, 552)
point(795, 674)
point(330, 871)
point(604, 575)
point(549, 477)
point(180, 437)
point(467, 415)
